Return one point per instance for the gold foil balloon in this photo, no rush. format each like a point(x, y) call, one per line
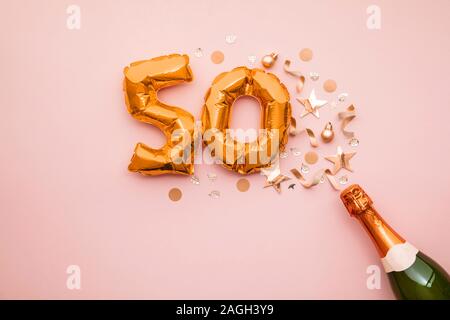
point(246, 157)
point(142, 81)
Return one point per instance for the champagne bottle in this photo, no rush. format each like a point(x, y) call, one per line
point(412, 274)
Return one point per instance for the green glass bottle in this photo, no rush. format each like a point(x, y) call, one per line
point(412, 275)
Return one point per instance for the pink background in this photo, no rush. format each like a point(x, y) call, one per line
point(66, 197)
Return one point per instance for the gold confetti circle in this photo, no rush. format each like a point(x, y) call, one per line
point(217, 57)
point(306, 54)
point(311, 157)
point(175, 194)
point(243, 185)
point(330, 85)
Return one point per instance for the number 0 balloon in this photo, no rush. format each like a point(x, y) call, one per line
point(276, 112)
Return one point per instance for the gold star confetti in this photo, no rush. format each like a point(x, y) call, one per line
point(311, 104)
point(274, 178)
point(276, 183)
point(341, 160)
point(271, 172)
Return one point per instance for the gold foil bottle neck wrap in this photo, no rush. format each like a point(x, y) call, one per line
point(359, 205)
point(356, 200)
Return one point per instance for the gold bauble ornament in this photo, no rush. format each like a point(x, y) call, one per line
point(327, 133)
point(269, 59)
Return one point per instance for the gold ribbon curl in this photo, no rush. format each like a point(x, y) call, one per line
point(316, 178)
point(346, 117)
point(293, 131)
point(295, 73)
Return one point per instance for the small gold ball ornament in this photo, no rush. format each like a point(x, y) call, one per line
point(327, 133)
point(269, 59)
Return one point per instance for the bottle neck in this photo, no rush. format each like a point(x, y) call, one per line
point(383, 236)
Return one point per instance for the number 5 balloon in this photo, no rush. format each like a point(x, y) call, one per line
point(142, 81)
